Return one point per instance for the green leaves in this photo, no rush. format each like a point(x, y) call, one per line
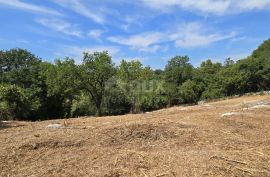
point(138, 84)
point(96, 70)
point(63, 78)
point(190, 91)
point(178, 70)
point(14, 102)
point(20, 71)
point(32, 89)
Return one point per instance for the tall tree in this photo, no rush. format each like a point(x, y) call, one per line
point(133, 77)
point(262, 56)
point(176, 72)
point(97, 68)
point(22, 68)
point(207, 75)
point(62, 81)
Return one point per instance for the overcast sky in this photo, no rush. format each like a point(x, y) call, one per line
point(152, 31)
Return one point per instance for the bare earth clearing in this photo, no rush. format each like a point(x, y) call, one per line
point(226, 138)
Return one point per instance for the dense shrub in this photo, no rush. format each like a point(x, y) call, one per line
point(13, 102)
point(82, 106)
point(190, 91)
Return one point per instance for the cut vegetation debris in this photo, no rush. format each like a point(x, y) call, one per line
point(54, 126)
point(193, 141)
point(230, 114)
point(260, 106)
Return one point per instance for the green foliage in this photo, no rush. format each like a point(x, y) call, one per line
point(31, 89)
point(209, 68)
point(232, 81)
point(228, 62)
point(208, 77)
point(154, 99)
point(63, 78)
point(13, 102)
point(134, 80)
point(96, 70)
point(263, 51)
point(190, 91)
point(62, 85)
point(5, 113)
point(178, 70)
point(171, 93)
point(213, 93)
point(21, 68)
point(115, 101)
point(82, 106)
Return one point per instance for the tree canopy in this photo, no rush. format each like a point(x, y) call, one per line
point(32, 89)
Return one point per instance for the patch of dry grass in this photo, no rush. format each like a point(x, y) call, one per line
point(179, 141)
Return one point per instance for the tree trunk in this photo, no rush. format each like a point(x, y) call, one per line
point(98, 113)
point(132, 108)
point(98, 105)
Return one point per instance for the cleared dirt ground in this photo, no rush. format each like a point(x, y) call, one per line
point(226, 138)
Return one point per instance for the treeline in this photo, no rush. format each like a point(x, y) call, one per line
point(32, 89)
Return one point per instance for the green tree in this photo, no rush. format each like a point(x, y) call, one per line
point(228, 62)
point(176, 72)
point(96, 70)
point(13, 102)
point(262, 56)
point(154, 97)
point(263, 51)
point(63, 83)
point(208, 76)
point(115, 101)
point(22, 68)
point(133, 79)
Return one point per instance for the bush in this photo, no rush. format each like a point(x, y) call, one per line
point(213, 93)
point(115, 102)
point(13, 102)
point(4, 112)
point(152, 102)
point(82, 106)
point(190, 92)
